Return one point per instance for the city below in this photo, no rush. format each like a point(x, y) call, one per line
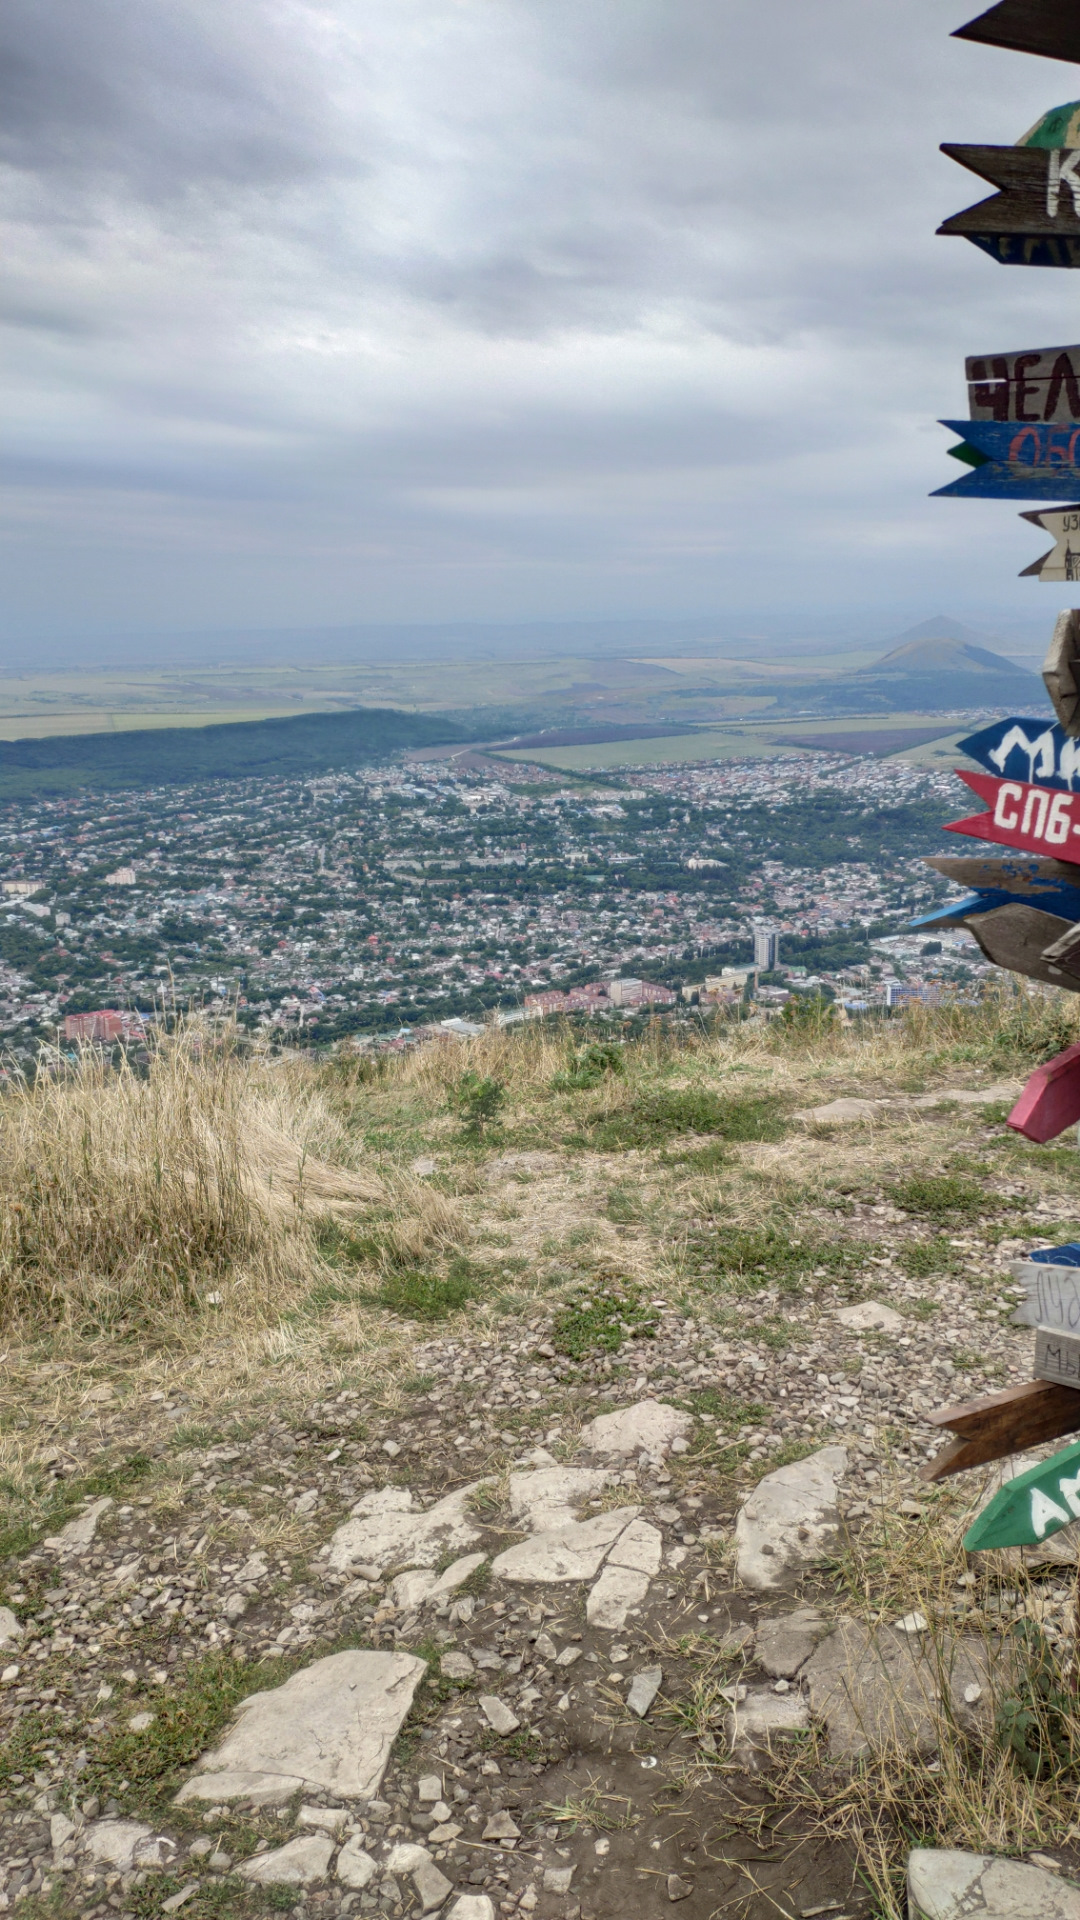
point(430, 895)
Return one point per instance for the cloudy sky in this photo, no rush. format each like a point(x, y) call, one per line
point(424, 310)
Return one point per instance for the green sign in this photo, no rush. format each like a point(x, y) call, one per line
point(1034, 1505)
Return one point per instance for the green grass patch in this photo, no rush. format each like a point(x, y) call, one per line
point(418, 1295)
point(653, 1119)
point(599, 1318)
point(921, 1258)
point(29, 1514)
point(590, 1065)
point(723, 1407)
point(745, 1260)
point(948, 1196)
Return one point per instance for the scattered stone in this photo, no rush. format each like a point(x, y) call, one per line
point(457, 1665)
point(78, 1533)
point(501, 1827)
point(836, 1112)
point(60, 1831)
point(138, 1722)
point(790, 1520)
point(423, 1166)
point(761, 1714)
point(472, 1906)
point(384, 1530)
point(678, 1889)
point(329, 1727)
point(407, 1857)
point(557, 1879)
point(878, 1688)
point(429, 1789)
point(355, 1868)
point(123, 1844)
point(783, 1643)
point(299, 1863)
point(943, 1885)
point(431, 1885)
point(869, 1314)
point(498, 1714)
point(550, 1497)
point(649, 1427)
point(10, 1630)
point(618, 1592)
point(912, 1623)
point(410, 1590)
point(573, 1552)
point(643, 1690)
point(327, 1819)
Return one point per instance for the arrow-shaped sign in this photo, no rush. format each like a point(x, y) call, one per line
point(1023, 939)
point(1028, 26)
point(1061, 670)
point(1034, 220)
point(1041, 383)
point(1035, 819)
point(1000, 1424)
point(1021, 874)
point(1031, 1507)
point(1018, 460)
point(1050, 1101)
point(1062, 562)
point(1038, 752)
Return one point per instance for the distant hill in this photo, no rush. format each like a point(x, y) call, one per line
point(941, 653)
point(175, 756)
point(937, 671)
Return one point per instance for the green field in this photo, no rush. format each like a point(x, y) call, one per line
point(741, 742)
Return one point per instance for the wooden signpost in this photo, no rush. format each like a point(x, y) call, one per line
point(1035, 819)
point(1061, 670)
point(1013, 460)
point(1002, 1423)
point(1062, 562)
point(1021, 748)
point(1028, 26)
point(1050, 1101)
point(1052, 1298)
point(1034, 220)
point(1031, 1507)
point(1040, 384)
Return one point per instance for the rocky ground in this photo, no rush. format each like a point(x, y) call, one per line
point(572, 1614)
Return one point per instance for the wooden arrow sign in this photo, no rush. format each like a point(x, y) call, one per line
point(1021, 874)
point(1061, 670)
point(1016, 461)
point(1028, 26)
point(1062, 562)
point(1042, 383)
point(1002, 1423)
point(1034, 221)
point(1034, 819)
point(1050, 1101)
point(1062, 902)
point(1031, 1507)
point(1022, 748)
point(1021, 939)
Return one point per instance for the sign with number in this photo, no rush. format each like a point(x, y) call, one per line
point(1028, 26)
point(1052, 1298)
point(1031, 1507)
point(1033, 818)
point(1042, 383)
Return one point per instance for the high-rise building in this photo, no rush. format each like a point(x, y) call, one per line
point(766, 948)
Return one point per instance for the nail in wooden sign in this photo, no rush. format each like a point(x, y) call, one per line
point(1040, 384)
point(1026, 749)
point(1062, 563)
point(1033, 818)
point(1028, 26)
point(1034, 221)
point(1049, 1103)
point(1000, 1424)
point(1031, 1507)
point(1011, 460)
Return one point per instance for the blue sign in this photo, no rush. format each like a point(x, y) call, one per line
point(1057, 1256)
point(1062, 900)
point(1039, 752)
point(1016, 460)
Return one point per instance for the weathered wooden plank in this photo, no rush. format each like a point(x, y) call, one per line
point(1010, 480)
point(1022, 874)
point(1003, 1423)
point(1027, 26)
point(1048, 447)
point(1057, 1357)
point(1022, 748)
point(1024, 249)
point(1050, 1101)
point(1038, 384)
point(1039, 197)
point(1052, 1298)
point(1061, 670)
point(1063, 903)
point(1062, 563)
point(1016, 937)
point(1031, 1507)
point(1035, 819)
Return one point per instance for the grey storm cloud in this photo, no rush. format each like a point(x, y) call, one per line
point(497, 308)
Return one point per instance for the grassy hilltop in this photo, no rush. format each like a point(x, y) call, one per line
point(240, 1291)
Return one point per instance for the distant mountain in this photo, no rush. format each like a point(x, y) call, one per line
point(941, 653)
point(935, 671)
point(941, 627)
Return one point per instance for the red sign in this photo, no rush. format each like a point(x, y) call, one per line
point(1051, 1100)
point(1036, 819)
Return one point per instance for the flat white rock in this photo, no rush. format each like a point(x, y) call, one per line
point(497, 1714)
point(384, 1529)
point(836, 1112)
point(407, 1856)
point(790, 1520)
point(618, 1592)
point(10, 1630)
point(877, 1688)
point(354, 1867)
point(330, 1727)
point(78, 1533)
point(411, 1589)
point(643, 1690)
point(299, 1863)
point(472, 1906)
point(755, 1720)
point(784, 1643)
point(649, 1426)
point(640, 1547)
point(870, 1313)
point(573, 1552)
point(457, 1574)
point(946, 1885)
point(550, 1496)
point(123, 1844)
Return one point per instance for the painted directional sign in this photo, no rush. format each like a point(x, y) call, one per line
point(1052, 1298)
point(1022, 875)
point(1014, 460)
point(1062, 562)
point(1022, 939)
point(1028, 26)
point(1031, 1507)
point(1033, 818)
point(1061, 670)
point(1063, 902)
point(1042, 383)
point(1057, 1357)
point(1034, 221)
point(1026, 749)
point(1000, 1424)
point(1050, 1101)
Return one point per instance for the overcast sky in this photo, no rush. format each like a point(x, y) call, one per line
point(502, 309)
